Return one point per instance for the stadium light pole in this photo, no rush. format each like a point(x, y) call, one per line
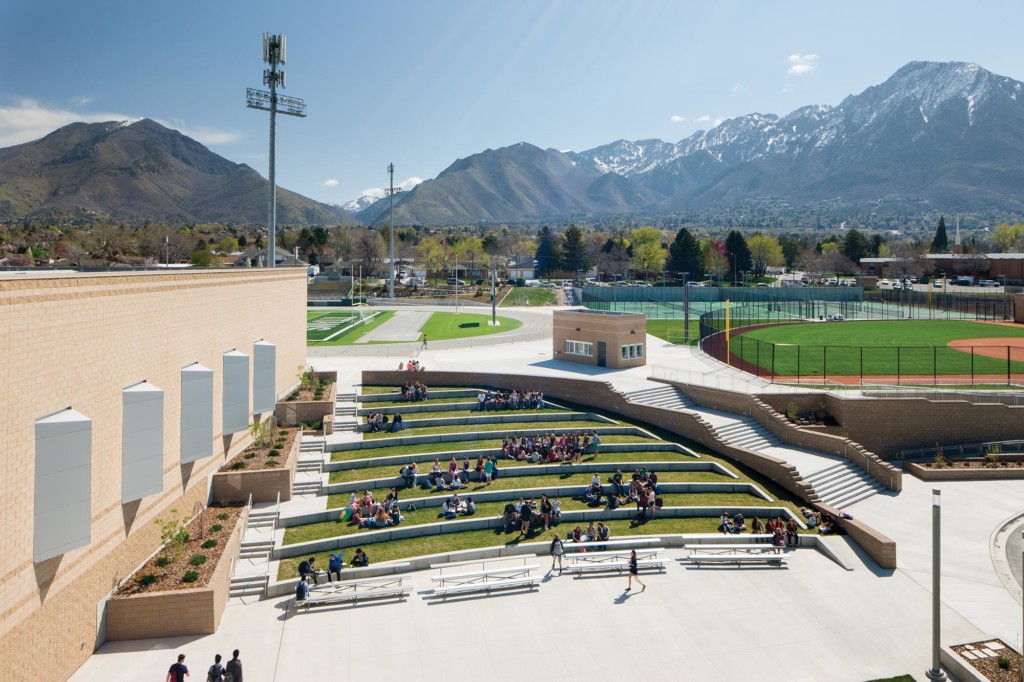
point(391, 193)
point(686, 310)
point(273, 54)
point(936, 673)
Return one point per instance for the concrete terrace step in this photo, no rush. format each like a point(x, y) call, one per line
point(313, 465)
point(306, 487)
point(668, 397)
point(843, 484)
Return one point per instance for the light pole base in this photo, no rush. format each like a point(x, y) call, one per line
point(493, 323)
point(936, 674)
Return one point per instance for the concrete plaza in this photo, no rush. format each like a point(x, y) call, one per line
point(811, 621)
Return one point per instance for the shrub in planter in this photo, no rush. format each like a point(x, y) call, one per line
point(197, 560)
point(272, 463)
point(238, 465)
point(223, 516)
point(190, 577)
point(145, 579)
point(162, 561)
point(216, 528)
point(274, 453)
point(249, 455)
point(209, 543)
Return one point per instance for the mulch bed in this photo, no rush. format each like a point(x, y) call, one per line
point(169, 577)
point(971, 464)
point(986, 656)
point(256, 458)
point(309, 394)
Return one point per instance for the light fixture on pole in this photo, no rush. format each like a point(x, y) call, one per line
point(391, 193)
point(936, 673)
point(273, 54)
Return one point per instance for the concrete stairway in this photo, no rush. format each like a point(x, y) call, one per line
point(746, 433)
point(843, 484)
point(668, 397)
point(345, 412)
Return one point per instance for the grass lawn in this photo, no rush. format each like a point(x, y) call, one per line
point(426, 448)
point(355, 333)
point(467, 412)
point(330, 529)
point(453, 542)
point(369, 473)
point(377, 390)
point(577, 425)
point(432, 401)
point(530, 296)
point(672, 330)
point(835, 348)
point(328, 323)
point(442, 326)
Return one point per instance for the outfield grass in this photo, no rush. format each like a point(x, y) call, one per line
point(672, 330)
point(443, 326)
point(854, 348)
point(454, 446)
point(352, 335)
point(530, 296)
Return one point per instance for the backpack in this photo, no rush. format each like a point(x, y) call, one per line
point(301, 591)
point(216, 673)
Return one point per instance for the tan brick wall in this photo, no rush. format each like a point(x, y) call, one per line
point(78, 341)
point(887, 425)
point(616, 330)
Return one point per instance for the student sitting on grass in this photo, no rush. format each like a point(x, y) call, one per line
point(360, 559)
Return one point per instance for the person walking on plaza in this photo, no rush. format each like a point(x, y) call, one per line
point(216, 671)
point(633, 572)
point(178, 671)
point(234, 667)
point(557, 550)
point(424, 342)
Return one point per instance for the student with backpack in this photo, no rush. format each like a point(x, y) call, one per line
point(216, 671)
point(234, 668)
point(302, 590)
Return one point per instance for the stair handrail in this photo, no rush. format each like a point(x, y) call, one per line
point(245, 529)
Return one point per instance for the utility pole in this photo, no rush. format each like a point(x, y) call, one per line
point(273, 54)
point(391, 193)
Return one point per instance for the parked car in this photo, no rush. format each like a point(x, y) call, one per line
point(937, 284)
point(988, 283)
point(694, 284)
point(836, 318)
point(550, 285)
point(897, 286)
point(884, 283)
point(453, 282)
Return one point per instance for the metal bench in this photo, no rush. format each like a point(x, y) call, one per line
point(354, 591)
point(626, 543)
point(717, 549)
point(620, 566)
point(738, 559)
point(484, 581)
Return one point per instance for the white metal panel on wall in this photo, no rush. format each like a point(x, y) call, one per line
point(142, 441)
point(196, 413)
point(264, 377)
point(235, 401)
point(63, 484)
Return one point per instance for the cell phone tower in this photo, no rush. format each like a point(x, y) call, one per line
point(274, 55)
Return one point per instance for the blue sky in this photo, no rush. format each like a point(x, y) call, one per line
point(421, 84)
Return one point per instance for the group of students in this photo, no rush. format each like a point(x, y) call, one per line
point(232, 672)
point(784, 533)
point(642, 490)
point(412, 365)
point(550, 447)
point(308, 569)
point(378, 421)
point(366, 512)
point(413, 391)
point(486, 401)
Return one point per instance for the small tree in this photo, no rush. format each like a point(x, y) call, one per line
point(941, 242)
point(173, 533)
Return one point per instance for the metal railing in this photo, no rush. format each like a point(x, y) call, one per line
point(1010, 398)
point(1005, 447)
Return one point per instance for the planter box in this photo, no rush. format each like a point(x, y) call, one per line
point(986, 473)
point(263, 484)
point(296, 412)
point(954, 663)
point(177, 613)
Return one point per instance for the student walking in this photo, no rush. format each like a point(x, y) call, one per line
point(633, 572)
point(216, 671)
point(178, 670)
point(424, 342)
point(557, 550)
point(234, 667)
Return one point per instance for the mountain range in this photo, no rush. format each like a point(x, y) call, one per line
point(947, 136)
point(136, 171)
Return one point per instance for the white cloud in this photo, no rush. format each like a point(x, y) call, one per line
point(404, 185)
point(702, 119)
point(738, 87)
point(82, 100)
point(788, 87)
point(330, 183)
point(26, 120)
point(676, 118)
point(718, 121)
point(799, 64)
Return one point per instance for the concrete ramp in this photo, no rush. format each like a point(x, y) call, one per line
point(404, 325)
